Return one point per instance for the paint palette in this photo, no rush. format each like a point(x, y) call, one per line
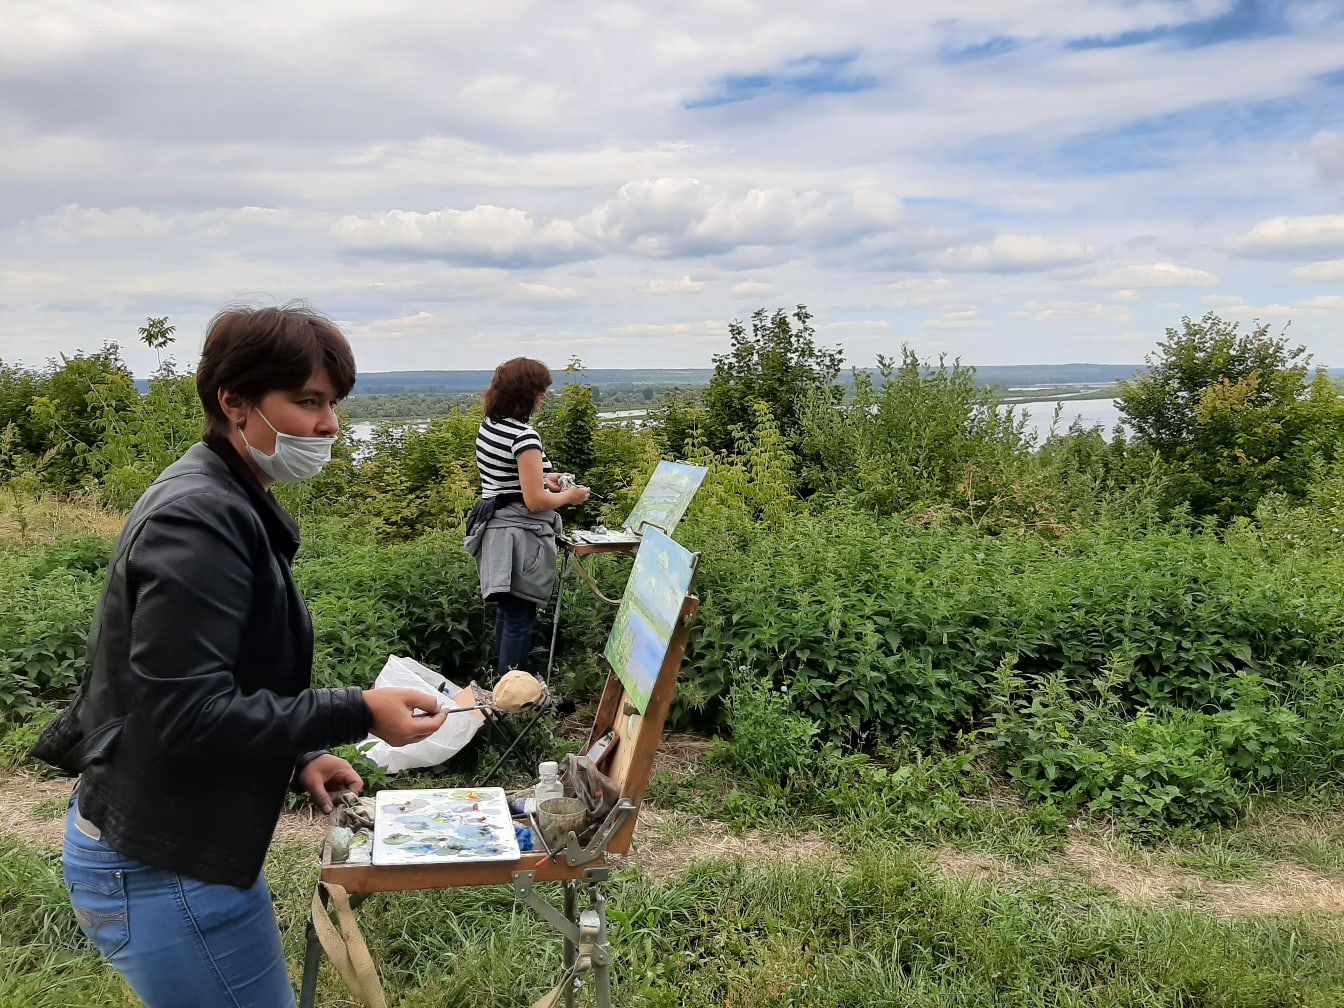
point(443, 826)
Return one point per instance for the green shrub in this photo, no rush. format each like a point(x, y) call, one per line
point(1156, 769)
point(44, 627)
point(771, 742)
point(881, 628)
point(420, 599)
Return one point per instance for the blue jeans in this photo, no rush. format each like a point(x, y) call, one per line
point(178, 942)
point(515, 624)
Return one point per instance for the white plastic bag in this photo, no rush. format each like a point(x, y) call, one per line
point(458, 729)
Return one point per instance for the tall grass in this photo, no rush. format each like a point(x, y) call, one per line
point(875, 930)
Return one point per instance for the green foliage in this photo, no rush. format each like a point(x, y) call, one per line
point(916, 436)
point(409, 480)
point(1094, 480)
point(1235, 416)
point(420, 599)
point(70, 412)
point(46, 605)
point(1153, 770)
point(569, 432)
point(570, 429)
point(675, 422)
point(880, 627)
point(18, 388)
point(771, 742)
point(140, 437)
point(777, 363)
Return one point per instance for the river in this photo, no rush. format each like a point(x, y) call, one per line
point(1091, 411)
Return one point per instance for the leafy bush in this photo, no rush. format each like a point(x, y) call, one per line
point(879, 627)
point(777, 363)
point(914, 436)
point(421, 599)
point(45, 614)
point(1157, 768)
point(1235, 416)
point(771, 742)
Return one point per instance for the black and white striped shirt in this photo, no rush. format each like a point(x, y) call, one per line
point(498, 445)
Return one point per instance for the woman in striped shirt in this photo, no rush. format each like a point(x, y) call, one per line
point(511, 532)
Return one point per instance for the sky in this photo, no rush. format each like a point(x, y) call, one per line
point(1003, 181)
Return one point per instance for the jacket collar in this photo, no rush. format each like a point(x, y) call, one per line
point(281, 529)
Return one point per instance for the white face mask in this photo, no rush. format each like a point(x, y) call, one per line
point(295, 458)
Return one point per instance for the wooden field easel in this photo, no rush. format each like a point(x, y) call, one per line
point(628, 762)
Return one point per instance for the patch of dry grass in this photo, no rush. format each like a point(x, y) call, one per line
point(28, 519)
point(1144, 878)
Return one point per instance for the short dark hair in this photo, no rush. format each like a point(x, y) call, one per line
point(251, 351)
point(513, 390)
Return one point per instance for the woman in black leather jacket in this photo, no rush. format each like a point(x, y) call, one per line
point(196, 712)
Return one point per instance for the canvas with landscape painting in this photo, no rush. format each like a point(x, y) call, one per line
point(666, 497)
point(659, 582)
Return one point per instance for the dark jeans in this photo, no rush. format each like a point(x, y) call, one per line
point(515, 624)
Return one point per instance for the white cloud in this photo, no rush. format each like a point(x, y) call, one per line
point(1223, 300)
point(1329, 302)
point(683, 286)
point(707, 329)
point(1326, 152)
point(481, 236)
point(1157, 275)
point(921, 285)
point(1324, 305)
point(1014, 253)
point(671, 217)
point(1329, 271)
point(860, 326)
point(1293, 237)
point(966, 319)
point(512, 154)
point(390, 329)
point(1072, 311)
point(545, 292)
point(73, 224)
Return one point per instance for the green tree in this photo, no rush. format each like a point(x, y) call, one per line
point(69, 413)
point(776, 362)
point(1233, 415)
point(156, 333)
point(569, 431)
point(143, 435)
point(18, 388)
point(914, 434)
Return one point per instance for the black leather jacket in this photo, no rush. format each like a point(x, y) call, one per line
point(198, 711)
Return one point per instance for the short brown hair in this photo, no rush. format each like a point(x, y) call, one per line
point(250, 351)
point(513, 390)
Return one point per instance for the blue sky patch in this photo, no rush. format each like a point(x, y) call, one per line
point(808, 75)
point(988, 49)
point(1248, 19)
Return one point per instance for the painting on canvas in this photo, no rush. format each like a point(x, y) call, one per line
point(443, 826)
point(640, 635)
point(665, 500)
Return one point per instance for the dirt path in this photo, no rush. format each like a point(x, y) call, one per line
point(1283, 887)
